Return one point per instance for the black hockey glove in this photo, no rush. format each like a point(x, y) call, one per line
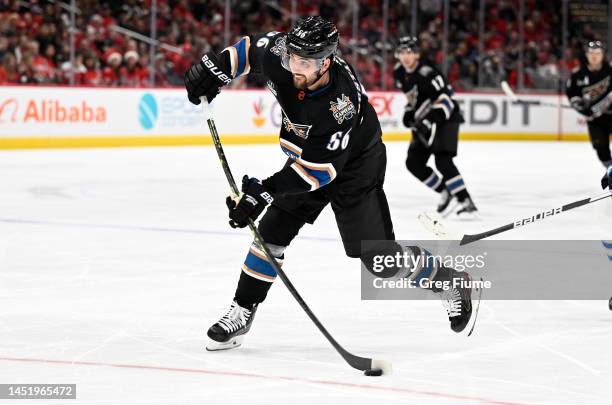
point(423, 132)
point(251, 203)
point(205, 77)
point(408, 118)
point(606, 180)
point(579, 104)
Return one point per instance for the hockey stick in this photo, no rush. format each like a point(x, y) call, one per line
point(516, 100)
point(435, 224)
point(360, 363)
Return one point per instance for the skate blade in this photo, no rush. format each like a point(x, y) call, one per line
point(468, 216)
point(233, 343)
point(475, 312)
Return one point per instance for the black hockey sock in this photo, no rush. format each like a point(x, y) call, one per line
point(371, 255)
point(251, 291)
point(604, 155)
point(452, 178)
point(427, 175)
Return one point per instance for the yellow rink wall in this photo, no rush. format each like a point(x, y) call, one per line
point(59, 117)
point(127, 141)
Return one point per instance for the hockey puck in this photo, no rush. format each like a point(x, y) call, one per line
point(373, 372)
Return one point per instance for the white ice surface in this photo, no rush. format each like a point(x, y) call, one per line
point(113, 263)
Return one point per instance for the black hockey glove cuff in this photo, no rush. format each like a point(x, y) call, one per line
point(206, 77)
point(408, 118)
point(251, 204)
point(606, 180)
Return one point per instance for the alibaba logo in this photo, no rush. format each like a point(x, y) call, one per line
point(8, 110)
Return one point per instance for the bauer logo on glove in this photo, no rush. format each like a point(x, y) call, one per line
point(251, 203)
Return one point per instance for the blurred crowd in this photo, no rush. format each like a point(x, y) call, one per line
point(35, 39)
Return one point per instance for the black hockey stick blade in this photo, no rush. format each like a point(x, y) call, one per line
point(534, 218)
point(360, 363)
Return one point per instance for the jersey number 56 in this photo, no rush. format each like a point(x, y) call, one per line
point(338, 140)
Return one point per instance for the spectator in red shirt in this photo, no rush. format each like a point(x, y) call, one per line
point(9, 72)
point(92, 75)
point(131, 73)
point(111, 74)
point(44, 68)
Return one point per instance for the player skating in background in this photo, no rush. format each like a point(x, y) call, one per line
point(332, 137)
point(606, 182)
point(434, 117)
point(589, 90)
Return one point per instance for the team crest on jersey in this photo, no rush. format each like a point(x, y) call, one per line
point(583, 82)
point(343, 109)
point(300, 130)
point(279, 46)
point(597, 90)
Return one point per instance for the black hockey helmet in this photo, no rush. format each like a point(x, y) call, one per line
point(407, 43)
point(594, 45)
point(313, 37)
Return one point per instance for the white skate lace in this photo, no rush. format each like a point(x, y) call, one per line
point(235, 318)
point(451, 301)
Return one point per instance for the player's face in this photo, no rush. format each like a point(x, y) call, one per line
point(595, 57)
point(304, 71)
point(408, 59)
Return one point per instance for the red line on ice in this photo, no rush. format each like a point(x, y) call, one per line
point(266, 377)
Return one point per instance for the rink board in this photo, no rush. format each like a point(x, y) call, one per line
point(40, 117)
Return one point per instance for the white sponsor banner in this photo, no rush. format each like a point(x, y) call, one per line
point(82, 112)
point(490, 114)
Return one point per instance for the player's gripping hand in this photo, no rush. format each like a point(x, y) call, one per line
point(581, 105)
point(206, 77)
point(408, 118)
point(252, 202)
point(606, 180)
point(422, 130)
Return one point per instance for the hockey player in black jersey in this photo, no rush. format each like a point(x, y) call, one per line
point(434, 117)
point(332, 138)
point(589, 90)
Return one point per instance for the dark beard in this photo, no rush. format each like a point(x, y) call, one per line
point(303, 85)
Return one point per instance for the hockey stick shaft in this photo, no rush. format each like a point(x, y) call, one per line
point(515, 99)
point(534, 218)
point(360, 363)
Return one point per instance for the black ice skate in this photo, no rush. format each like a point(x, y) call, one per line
point(228, 332)
point(457, 301)
point(467, 209)
point(444, 206)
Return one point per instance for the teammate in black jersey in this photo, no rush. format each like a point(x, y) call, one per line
point(332, 138)
point(589, 90)
point(434, 117)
